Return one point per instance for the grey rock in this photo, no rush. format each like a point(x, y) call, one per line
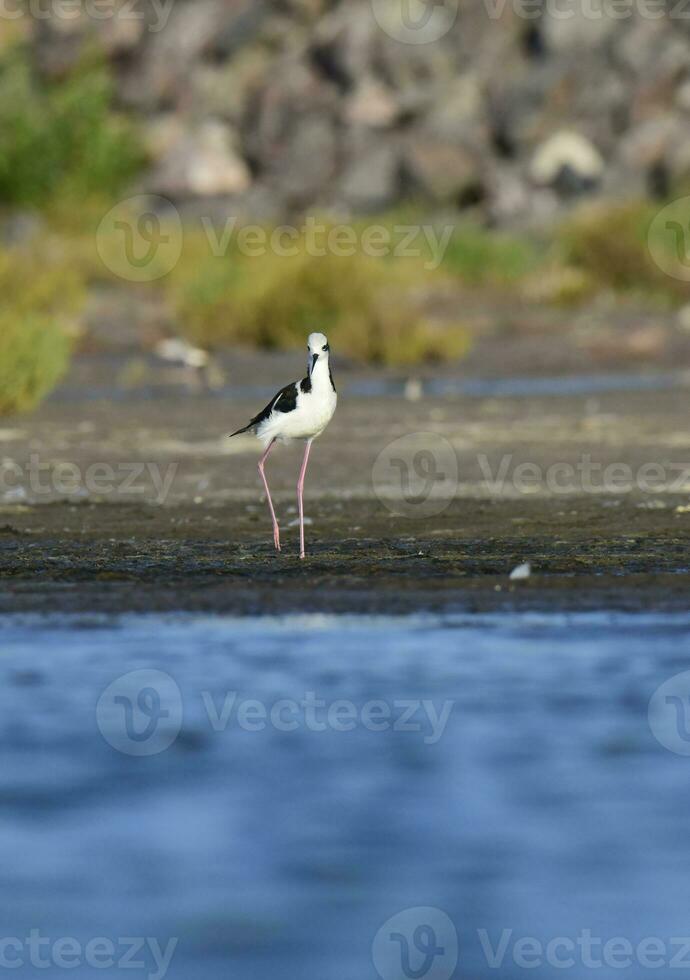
point(269, 106)
point(200, 162)
point(308, 162)
point(371, 104)
point(442, 172)
point(371, 179)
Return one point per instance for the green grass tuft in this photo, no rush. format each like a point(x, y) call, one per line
point(41, 296)
point(483, 257)
point(61, 138)
point(34, 354)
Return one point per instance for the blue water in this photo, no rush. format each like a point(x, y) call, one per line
point(376, 387)
point(540, 805)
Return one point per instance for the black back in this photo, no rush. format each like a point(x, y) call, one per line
point(285, 401)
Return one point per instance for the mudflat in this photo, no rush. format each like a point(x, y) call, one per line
point(141, 502)
point(118, 558)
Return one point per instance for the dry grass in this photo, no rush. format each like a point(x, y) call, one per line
point(41, 297)
point(609, 245)
point(373, 307)
point(34, 354)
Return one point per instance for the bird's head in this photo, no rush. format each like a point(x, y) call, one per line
point(317, 345)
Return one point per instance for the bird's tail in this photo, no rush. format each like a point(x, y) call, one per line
point(240, 431)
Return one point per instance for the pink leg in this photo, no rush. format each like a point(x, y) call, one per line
point(300, 494)
point(276, 529)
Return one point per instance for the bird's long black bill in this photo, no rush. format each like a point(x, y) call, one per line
point(314, 359)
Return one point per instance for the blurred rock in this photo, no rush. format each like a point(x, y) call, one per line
point(653, 153)
point(683, 318)
point(280, 105)
point(370, 181)
point(457, 111)
point(443, 172)
point(307, 162)
point(574, 27)
point(372, 105)
point(682, 96)
point(200, 161)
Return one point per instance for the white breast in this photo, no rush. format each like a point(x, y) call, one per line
point(313, 412)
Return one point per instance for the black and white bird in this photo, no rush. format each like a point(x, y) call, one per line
point(301, 410)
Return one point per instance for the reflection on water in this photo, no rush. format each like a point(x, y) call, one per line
point(270, 792)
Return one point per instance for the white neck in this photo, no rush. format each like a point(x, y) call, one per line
point(320, 375)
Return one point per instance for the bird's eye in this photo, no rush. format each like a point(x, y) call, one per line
point(325, 348)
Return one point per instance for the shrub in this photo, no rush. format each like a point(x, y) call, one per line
point(372, 307)
point(60, 138)
point(481, 256)
point(608, 242)
point(34, 353)
point(41, 295)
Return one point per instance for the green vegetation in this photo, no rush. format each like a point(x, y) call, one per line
point(482, 257)
point(378, 308)
point(65, 153)
point(608, 244)
point(41, 295)
point(60, 139)
point(34, 354)
point(373, 307)
point(61, 150)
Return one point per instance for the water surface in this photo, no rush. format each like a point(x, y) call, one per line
point(543, 804)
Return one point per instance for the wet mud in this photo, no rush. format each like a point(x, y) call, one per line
point(586, 554)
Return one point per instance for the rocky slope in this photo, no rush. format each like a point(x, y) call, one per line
point(272, 106)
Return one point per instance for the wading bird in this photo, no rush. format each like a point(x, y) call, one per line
point(301, 410)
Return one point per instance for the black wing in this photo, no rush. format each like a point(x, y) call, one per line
point(284, 401)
